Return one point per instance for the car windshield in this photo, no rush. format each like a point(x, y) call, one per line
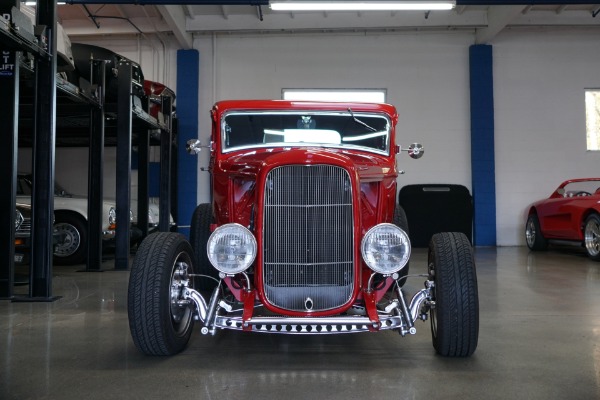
point(582, 188)
point(356, 130)
point(25, 187)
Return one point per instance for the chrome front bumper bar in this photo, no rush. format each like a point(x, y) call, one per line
point(397, 315)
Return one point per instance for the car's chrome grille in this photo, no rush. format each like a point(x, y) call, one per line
point(25, 228)
point(308, 238)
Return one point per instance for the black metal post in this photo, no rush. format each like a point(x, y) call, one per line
point(124, 126)
point(9, 114)
point(165, 167)
point(40, 280)
point(95, 169)
point(143, 149)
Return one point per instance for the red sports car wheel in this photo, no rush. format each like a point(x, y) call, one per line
point(592, 236)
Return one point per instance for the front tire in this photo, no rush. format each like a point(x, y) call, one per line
point(455, 316)
point(160, 325)
point(533, 234)
point(591, 235)
point(72, 245)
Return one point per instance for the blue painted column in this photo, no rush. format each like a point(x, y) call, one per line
point(482, 145)
point(188, 67)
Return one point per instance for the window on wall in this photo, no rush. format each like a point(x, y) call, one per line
point(348, 95)
point(592, 118)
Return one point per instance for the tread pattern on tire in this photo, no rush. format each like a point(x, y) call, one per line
point(148, 295)
point(457, 301)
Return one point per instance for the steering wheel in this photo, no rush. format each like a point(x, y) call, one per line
point(581, 193)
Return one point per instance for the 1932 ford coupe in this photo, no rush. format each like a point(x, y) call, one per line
point(303, 236)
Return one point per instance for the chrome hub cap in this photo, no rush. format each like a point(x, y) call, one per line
point(70, 239)
point(592, 237)
point(181, 310)
point(530, 233)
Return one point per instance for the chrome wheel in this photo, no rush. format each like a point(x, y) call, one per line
point(161, 320)
point(70, 239)
point(592, 236)
point(530, 233)
point(533, 234)
point(181, 310)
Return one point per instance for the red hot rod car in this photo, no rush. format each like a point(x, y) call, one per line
point(571, 215)
point(303, 236)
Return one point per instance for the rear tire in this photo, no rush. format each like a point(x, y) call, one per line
point(401, 222)
point(455, 317)
point(160, 272)
point(591, 235)
point(72, 245)
point(199, 234)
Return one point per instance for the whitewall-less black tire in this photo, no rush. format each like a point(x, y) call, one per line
point(401, 222)
point(455, 317)
point(199, 234)
point(591, 236)
point(533, 234)
point(159, 324)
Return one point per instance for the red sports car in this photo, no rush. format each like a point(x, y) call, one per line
point(570, 215)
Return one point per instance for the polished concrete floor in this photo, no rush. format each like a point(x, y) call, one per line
point(539, 339)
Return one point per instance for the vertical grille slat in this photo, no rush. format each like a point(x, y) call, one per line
point(308, 238)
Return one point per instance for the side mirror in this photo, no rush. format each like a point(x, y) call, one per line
point(193, 146)
point(415, 150)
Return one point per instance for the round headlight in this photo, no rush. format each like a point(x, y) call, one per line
point(112, 216)
point(231, 248)
point(18, 218)
point(386, 248)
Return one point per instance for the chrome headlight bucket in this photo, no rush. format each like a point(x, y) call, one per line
point(231, 249)
point(18, 218)
point(112, 216)
point(385, 248)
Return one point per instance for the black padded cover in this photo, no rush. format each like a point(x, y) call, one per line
point(435, 208)
point(82, 53)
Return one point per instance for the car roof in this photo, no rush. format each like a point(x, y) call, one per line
point(281, 105)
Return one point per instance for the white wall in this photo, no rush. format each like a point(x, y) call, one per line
point(539, 82)
point(426, 76)
point(539, 78)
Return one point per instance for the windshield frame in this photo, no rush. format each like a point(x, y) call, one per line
point(344, 145)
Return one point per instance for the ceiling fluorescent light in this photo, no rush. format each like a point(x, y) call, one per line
point(360, 5)
point(34, 3)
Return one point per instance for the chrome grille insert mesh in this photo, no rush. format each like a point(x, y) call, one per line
point(308, 238)
point(24, 228)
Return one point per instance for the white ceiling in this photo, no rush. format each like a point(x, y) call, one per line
point(184, 21)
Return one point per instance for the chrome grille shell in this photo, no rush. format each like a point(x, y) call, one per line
point(308, 238)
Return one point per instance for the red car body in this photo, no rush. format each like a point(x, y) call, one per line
point(565, 215)
point(302, 236)
point(239, 183)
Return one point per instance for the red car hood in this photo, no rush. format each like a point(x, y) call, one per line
point(250, 163)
